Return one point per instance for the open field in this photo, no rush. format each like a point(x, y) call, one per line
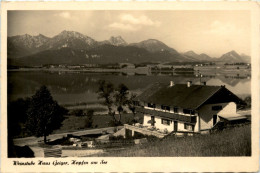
point(229, 142)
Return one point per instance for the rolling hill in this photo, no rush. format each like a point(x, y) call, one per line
point(232, 57)
point(199, 57)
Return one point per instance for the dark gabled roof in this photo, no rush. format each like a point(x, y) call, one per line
point(180, 95)
point(150, 90)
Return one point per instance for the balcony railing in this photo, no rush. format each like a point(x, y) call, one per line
point(173, 116)
point(145, 131)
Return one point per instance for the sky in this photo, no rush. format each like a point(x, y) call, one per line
point(210, 32)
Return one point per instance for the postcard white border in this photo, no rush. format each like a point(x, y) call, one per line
point(137, 164)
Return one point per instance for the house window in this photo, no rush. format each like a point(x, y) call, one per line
point(175, 110)
point(167, 108)
point(188, 111)
point(166, 122)
point(189, 127)
point(217, 108)
point(150, 105)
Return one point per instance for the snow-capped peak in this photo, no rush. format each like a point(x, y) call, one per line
point(117, 41)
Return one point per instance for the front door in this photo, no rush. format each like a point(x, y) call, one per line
point(152, 120)
point(214, 119)
point(175, 126)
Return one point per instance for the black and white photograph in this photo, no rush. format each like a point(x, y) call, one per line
point(128, 83)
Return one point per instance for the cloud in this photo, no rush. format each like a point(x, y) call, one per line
point(220, 28)
point(123, 26)
point(65, 15)
point(129, 22)
point(142, 20)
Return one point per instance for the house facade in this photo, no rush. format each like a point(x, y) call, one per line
point(186, 107)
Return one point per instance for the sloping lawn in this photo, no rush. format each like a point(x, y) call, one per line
point(229, 142)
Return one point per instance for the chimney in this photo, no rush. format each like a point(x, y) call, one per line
point(189, 83)
point(171, 83)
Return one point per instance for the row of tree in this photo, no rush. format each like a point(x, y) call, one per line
point(118, 97)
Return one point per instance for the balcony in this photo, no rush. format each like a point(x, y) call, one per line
point(145, 130)
point(173, 116)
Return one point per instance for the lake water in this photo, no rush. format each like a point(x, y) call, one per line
point(78, 87)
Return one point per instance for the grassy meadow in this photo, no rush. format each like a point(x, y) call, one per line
point(229, 142)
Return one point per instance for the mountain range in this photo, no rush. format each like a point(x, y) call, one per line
point(200, 57)
point(70, 47)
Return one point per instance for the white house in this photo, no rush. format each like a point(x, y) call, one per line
point(187, 107)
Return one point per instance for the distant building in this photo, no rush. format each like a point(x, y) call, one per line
point(126, 65)
point(74, 66)
point(91, 65)
point(187, 107)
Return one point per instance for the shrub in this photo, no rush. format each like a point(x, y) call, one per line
point(247, 100)
point(113, 138)
point(114, 123)
point(165, 131)
point(79, 113)
point(89, 119)
point(151, 138)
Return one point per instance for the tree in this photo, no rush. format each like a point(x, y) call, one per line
point(16, 116)
point(105, 91)
point(248, 101)
point(79, 113)
point(89, 119)
point(121, 99)
point(44, 114)
point(132, 106)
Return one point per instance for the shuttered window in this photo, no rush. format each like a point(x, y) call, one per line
point(175, 110)
point(167, 108)
point(150, 105)
point(188, 111)
point(189, 127)
point(166, 122)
